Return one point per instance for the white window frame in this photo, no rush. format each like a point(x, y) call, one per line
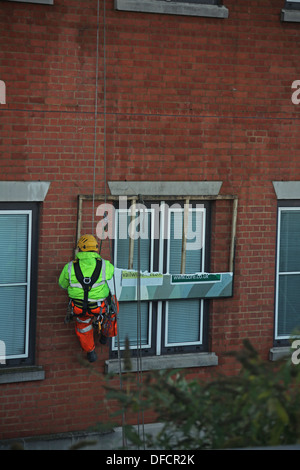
point(114, 345)
point(116, 232)
point(187, 343)
point(163, 252)
point(278, 273)
point(27, 284)
point(181, 210)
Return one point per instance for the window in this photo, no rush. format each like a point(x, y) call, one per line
point(287, 305)
point(18, 279)
point(294, 5)
point(2, 92)
point(208, 8)
point(152, 240)
point(291, 11)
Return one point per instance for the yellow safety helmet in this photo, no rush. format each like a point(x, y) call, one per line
point(87, 243)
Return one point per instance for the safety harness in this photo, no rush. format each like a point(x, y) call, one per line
point(103, 310)
point(87, 282)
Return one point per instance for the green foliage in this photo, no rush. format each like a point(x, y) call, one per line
point(258, 407)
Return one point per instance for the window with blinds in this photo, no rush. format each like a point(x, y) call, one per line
point(15, 228)
point(189, 331)
point(170, 326)
point(139, 228)
point(18, 279)
point(287, 309)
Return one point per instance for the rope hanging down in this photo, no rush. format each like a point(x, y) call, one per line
point(139, 330)
point(96, 109)
point(139, 340)
point(105, 195)
point(104, 152)
point(95, 115)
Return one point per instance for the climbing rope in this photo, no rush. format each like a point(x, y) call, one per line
point(105, 194)
point(139, 338)
point(139, 335)
point(95, 115)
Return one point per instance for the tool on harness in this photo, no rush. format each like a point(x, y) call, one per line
point(69, 314)
point(87, 283)
point(109, 323)
point(106, 322)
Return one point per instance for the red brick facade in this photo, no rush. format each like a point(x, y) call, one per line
point(187, 99)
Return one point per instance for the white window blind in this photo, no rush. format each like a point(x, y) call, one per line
point(128, 323)
point(15, 236)
point(141, 227)
point(184, 322)
point(194, 243)
point(288, 273)
point(184, 317)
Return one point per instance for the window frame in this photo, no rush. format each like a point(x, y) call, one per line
point(292, 205)
point(293, 5)
point(28, 358)
point(291, 11)
point(147, 348)
point(159, 309)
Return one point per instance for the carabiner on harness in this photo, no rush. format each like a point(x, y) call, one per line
point(97, 324)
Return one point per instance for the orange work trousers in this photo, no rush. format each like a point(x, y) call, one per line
point(85, 332)
point(84, 324)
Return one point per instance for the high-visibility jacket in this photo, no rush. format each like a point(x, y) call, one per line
point(87, 260)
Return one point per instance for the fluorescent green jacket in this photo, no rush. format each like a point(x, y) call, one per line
point(87, 262)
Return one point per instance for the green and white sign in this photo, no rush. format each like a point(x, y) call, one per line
point(158, 286)
point(195, 278)
point(130, 278)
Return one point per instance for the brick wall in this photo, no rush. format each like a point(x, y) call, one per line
point(187, 99)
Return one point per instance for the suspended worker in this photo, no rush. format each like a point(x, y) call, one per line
point(85, 279)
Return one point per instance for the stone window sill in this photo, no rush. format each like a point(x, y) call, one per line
point(278, 353)
point(176, 361)
point(172, 8)
point(21, 374)
point(291, 16)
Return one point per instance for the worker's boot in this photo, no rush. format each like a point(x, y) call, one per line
point(92, 356)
